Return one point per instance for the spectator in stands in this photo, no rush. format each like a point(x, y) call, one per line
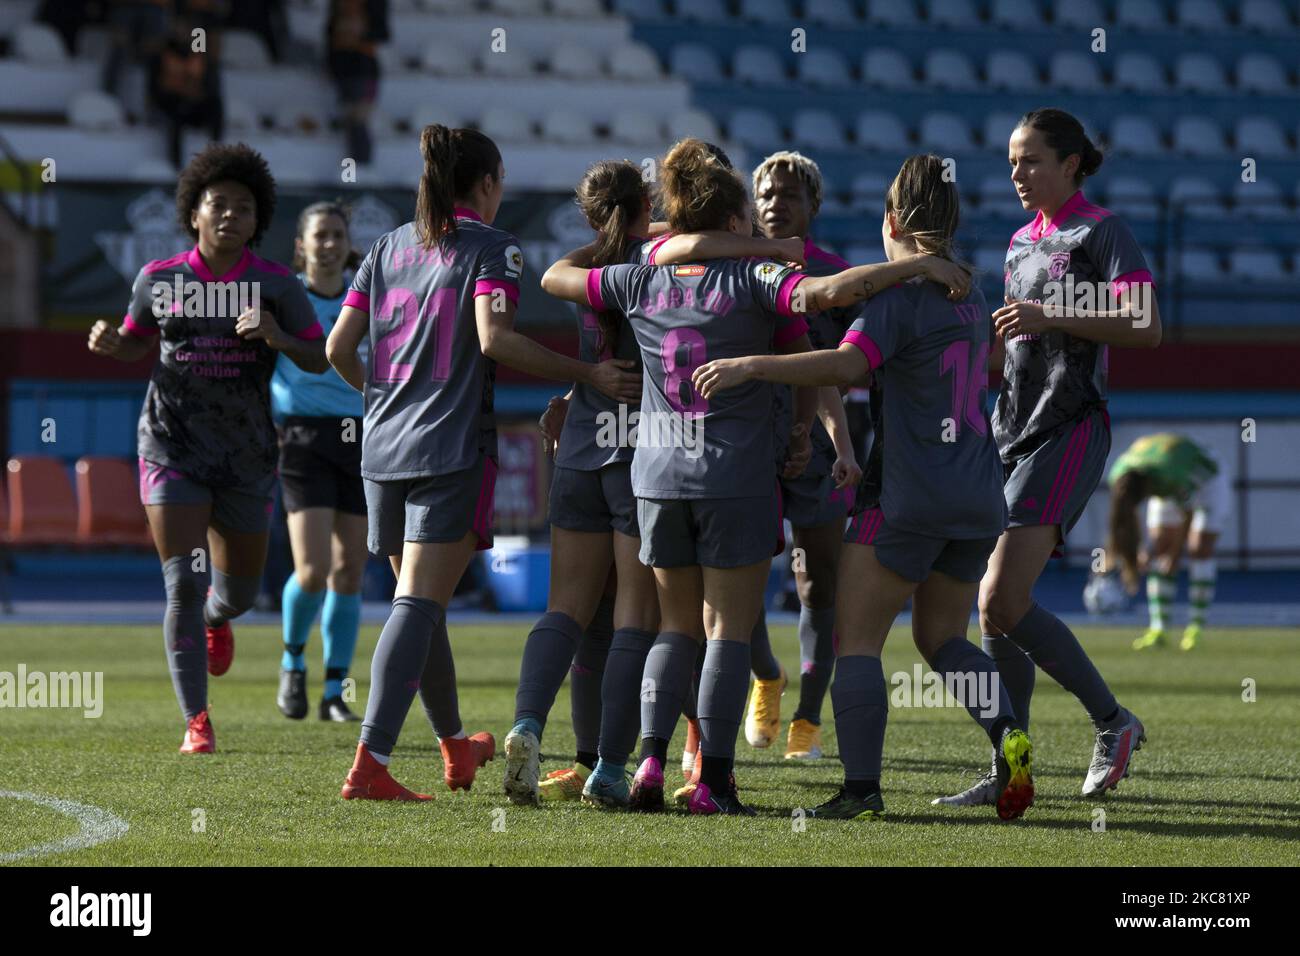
point(137, 31)
point(353, 30)
point(267, 19)
point(186, 87)
point(66, 18)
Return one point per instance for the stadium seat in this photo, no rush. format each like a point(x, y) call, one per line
point(1011, 70)
point(1262, 265)
point(580, 9)
point(833, 13)
point(991, 260)
point(566, 126)
point(950, 70)
point(1198, 136)
point(243, 50)
point(757, 65)
point(817, 129)
point(1199, 265)
point(634, 63)
point(766, 11)
point(998, 196)
point(998, 128)
point(877, 129)
point(707, 11)
point(96, 111)
point(1198, 197)
point(303, 119)
point(869, 192)
point(42, 508)
point(1141, 14)
point(1205, 16)
point(1135, 136)
point(509, 64)
point(1200, 73)
point(823, 68)
point(1265, 16)
point(1261, 136)
point(695, 64)
point(695, 123)
point(1262, 199)
point(1016, 15)
point(633, 126)
point(953, 13)
point(1261, 73)
point(108, 503)
point(507, 125)
point(1132, 197)
point(435, 113)
point(240, 117)
point(1139, 73)
point(1080, 14)
point(945, 133)
point(887, 68)
point(1075, 72)
point(37, 44)
point(640, 9)
point(518, 8)
point(892, 13)
point(751, 127)
point(573, 61)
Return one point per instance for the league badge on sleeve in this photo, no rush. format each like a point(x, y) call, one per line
point(514, 262)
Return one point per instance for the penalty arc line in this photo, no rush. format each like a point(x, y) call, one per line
point(97, 826)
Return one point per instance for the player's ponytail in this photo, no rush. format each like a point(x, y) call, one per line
point(1065, 136)
point(454, 161)
point(697, 190)
point(335, 208)
point(925, 205)
point(1127, 492)
point(611, 196)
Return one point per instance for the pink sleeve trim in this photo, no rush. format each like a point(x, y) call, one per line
point(311, 333)
point(594, 298)
point(357, 300)
point(488, 286)
point(132, 328)
point(786, 290)
point(790, 331)
point(863, 342)
point(1131, 278)
point(654, 249)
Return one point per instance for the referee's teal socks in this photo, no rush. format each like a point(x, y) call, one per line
point(339, 623)
point(299, 611)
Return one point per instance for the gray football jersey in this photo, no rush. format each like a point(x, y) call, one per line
point(588, 442)
point(1054, 379)
point(428, 386)
point(683, 316)
point(207, 411)
point(940, 470)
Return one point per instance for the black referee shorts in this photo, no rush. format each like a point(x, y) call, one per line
point(320, 464)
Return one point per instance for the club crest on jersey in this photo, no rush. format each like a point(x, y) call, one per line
point(1057, 264)
point(514, 262)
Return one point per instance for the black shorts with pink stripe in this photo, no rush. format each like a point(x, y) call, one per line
point(1052, 484)
point(913, 556)
point(438, 508)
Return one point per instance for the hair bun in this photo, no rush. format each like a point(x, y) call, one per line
point(1091, 160)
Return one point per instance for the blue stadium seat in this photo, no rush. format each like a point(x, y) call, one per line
point(1016, 14)
point(1200, 73)
point(877, 129)
point(574, 62)
point(1142, 14)
point(1135, 136)
point(1205, 16)
point(1198, 136)
point(869, 192)
point(1011, 70)
point(583, 9)
point(1262, 199)
point(751, 127)
point(707, 11)
point(953, 13)
point(945, 134)
point(950, 70)
point(998, 128)
point(1261, 265)
point(998, 196)
point(1261, 73)
point(991, 260)
point(821, 67)
point(1132, 197)
point(1200, 265)
point(835, 13)
point(635, 63)
point(892, 13)
point(1079, 14)
point(817, 129)
point(641, 9)
point(1139, 73)
point(1265, 16)
point(1076, 72)
point(887, 68)
point(695, 64)
point(1261, 136)
point(766, 11)
point(634, 126)
point(757, 65)
point(1199, 197)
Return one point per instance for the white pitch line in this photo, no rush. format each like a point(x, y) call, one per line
point(97, 826)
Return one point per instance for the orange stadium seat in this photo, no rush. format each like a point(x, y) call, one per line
point(108, 503)
point(42, 508)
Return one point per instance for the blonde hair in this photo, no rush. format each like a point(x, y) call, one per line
point(798, 165)
point(697, 191)
point(925, 205)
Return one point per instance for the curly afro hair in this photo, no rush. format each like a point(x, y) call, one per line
point(238, 162)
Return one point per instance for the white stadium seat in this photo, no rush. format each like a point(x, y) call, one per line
point(1262, 265)
point(953, 13)
point(634, 62)
point(240, 117)
point(510, 64)
point(695, 64)
point(765, 11)
point(1198, 197)
point(301, 119)
point(1139, 73)
point(695, 123)
point(834, 13)
point(1142, 14)
point(633, 126)
point(1200, 265)
point(1198, 136)
point(998, 128)
point(1076, 72)
point(1261, 199)
point(447, 59)
point(823, 68)
point(1205, 16)
point(892, 13)
point(583, 9)
point(751, 127)
point(1135, 136)
point(1261, 73)
point(945, 133)
point(877, 129)
point(430, 114)
point(1264, 16)
point(887, 68)
point(1261, 136)
point(757, 65)
point(37, 44)
point(1200, 73)
point(575, 62)
point(950, 70)
point(817, 129)
point(506, 125)
point(93, 110)
point(566, 126)
point(1011, 70)
point(1080, 14)
point(243, 50)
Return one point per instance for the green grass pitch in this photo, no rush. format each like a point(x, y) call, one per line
point(1215, 785)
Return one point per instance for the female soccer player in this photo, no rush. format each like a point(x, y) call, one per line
point(1188, 501)
point(704, 471)
point(922, 542)
point(593, 519)
point(437, 297)
point(319, 419)
point(1076, 282)
point(206, 440)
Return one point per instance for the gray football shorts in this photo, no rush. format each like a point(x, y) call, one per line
point(244, 508)
point(437, 508)
point(811, 502)
point(1052, 484)
point(709, 532)
point(594, 501)
point(913, 556)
